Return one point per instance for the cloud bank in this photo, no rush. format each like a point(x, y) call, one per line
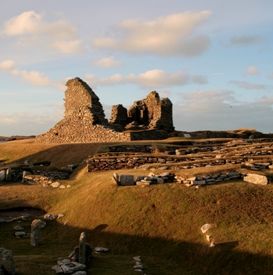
point(31, 27)
point(150, 79)
point(175, 34)
point(32, 77)
point(219, 110)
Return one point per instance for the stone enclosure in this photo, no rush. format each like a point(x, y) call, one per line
point(250, 160)
point(84, 119)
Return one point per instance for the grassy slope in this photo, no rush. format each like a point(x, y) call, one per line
point(59, 154)
point(162, 223)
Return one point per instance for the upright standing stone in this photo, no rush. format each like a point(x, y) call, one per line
point(35, 235)
point(2, 175)
point(8, 174)
point(82, 248)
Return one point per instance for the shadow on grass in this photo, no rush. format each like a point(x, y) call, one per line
point(160, 256)
point(62, 154)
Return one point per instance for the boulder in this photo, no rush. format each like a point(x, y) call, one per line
point(256, 179)
point(126, 180)
point(55, 184)
point(207, 226)
point(68, 267)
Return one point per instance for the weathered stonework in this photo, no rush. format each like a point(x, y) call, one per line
point(152, 113)
point(84, 119)
point(82, 103)
point(119, 115)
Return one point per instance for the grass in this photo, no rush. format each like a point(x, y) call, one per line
point(161, 223)
point(59, 154)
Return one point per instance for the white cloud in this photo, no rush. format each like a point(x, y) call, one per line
point(150, 79)
point(67, 47)
point(107, 62)
point(7, 65)
point(252, 70)
point(170, 35)
point(31, 28)
point(219, 110)
point(248, 85)
point(33, 77)
point(245, 40)
point(26, 23)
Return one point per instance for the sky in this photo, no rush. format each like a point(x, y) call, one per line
point(212, 58)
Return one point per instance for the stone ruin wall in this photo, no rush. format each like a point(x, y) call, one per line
point(82, 103)
point(84, 118)
point(151, 113)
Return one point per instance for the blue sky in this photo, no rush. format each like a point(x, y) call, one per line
point(212, 58)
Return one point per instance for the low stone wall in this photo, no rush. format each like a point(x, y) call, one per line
point(131, 161)
point(210, 178)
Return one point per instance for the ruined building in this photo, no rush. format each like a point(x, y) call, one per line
point(84, 119)
point(149, 113)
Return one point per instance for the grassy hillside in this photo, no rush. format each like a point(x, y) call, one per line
point(58, 154)
point(161, 223)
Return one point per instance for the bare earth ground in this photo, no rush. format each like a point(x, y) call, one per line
point(161, 223)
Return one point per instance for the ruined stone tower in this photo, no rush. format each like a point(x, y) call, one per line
point(84, 119)
point(82, 103)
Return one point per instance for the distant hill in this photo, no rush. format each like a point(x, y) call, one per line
point(2, 139)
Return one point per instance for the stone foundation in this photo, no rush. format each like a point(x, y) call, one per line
point(79, 131)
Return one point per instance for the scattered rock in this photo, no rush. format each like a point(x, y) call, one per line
point(50, 217)
point(256, 179)
point(18, 228)
point(126, 180)
point(68, 267)
point(101, 249)
point(207, 226)
point(55, 184)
